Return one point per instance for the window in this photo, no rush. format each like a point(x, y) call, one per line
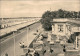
point(68, 28)
point(53, 28)
point(60, 28)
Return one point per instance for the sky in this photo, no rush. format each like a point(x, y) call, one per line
point(35, 8)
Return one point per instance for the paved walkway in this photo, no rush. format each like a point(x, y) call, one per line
point(57, 49)
point(8, 45)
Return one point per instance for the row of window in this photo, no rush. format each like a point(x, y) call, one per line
point(60, 28)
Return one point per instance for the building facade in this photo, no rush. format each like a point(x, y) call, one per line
point(67, 27)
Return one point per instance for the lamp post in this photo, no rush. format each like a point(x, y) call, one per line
point(14, 41)
point(27, 37)
point(76, 43)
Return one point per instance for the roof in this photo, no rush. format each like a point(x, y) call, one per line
point(66, 20)
point(60, 20)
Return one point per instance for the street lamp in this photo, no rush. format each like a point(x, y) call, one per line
point(27, 36)
point(14, 41)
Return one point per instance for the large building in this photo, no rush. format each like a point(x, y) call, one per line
point(67, 27)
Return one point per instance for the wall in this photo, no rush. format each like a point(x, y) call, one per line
point(55, 29)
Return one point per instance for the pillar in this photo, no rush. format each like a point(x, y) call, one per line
point(49, 37)
point(76, 43)
point(52, 28)
point(79, 42)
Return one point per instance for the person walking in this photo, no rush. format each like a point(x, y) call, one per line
point(64, 46)
point(36, 54)
point(28, 54)
point(29, 28)
point(36, 30)
point(44, 52)
point(6, 54)
point(23, 44)
point(51, 50)
point(20, 44)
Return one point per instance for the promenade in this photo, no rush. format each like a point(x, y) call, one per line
point(27, 37)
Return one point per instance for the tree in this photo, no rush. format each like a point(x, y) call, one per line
point(48, 16)
point(46, 20)
point(75, 14)
point(79, 14)
point(60, 13)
